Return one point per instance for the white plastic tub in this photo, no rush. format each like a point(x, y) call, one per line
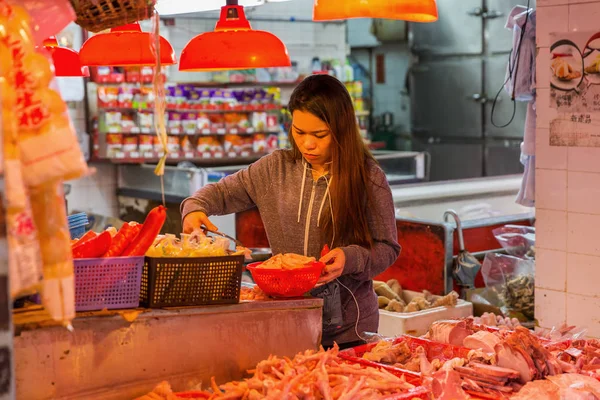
point(417, 323)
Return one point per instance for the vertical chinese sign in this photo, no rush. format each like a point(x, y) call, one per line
point(575, 89)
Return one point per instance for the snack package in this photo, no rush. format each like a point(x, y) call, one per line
point(186, 144)
point(189, 123)
point(108, 96)
point(49, 213)
point(173, 144)
point(125, 97)
point(204, 98)
point(130, 143)
point(204, 145)
point(128, 125)
point(217, 122)
point(174, 124)
point(111, 123)
point(145, 121)
point(145, 143)
point(114, 144)
point(193, 99)
point(24, 260)
point(272, 123)
point(259, 121)
point(157, 145)
point(48, 144)
point(203, 123)
point(259, 144)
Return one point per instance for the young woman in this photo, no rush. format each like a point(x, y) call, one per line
point(326, 190)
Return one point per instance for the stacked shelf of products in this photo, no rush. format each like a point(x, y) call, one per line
point(203, 124)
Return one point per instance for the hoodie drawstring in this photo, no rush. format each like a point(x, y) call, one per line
point(326, 196)
point(302, 193)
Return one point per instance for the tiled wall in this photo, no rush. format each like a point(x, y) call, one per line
point(567, 193)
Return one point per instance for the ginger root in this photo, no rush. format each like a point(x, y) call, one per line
point(382, 301)
point(395, 306)
point(395, 286)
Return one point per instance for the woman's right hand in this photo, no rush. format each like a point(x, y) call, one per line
point(196, 220)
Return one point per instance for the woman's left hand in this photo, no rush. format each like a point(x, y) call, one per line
point(334, 266)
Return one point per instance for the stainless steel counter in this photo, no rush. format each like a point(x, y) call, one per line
point(106, 357)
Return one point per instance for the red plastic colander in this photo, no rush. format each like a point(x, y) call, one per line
point(286, 283)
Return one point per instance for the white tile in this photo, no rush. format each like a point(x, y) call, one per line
point(550, 307)
point(551, 230)
point(546, 3)
point(551, 19)
point(549, 157)
point(584, 17)
point(584, 312)
point(584, 159)
point(582, 235)
point(544, 114)
point(543, 69)
point(551, 269)
point(551, 189)
point(583, 274)
point(583, 193)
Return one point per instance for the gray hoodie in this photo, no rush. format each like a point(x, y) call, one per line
point(290, 203)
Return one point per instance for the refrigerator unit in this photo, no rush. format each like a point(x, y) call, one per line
point(460, 65)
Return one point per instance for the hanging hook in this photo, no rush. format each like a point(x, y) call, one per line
point(454, 215)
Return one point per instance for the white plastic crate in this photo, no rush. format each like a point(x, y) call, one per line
point(417, 323)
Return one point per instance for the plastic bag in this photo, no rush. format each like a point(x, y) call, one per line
point(517, 240)
point(48, 17)
point(49, 147)
point(50, 215)
point(513, 279)
point(563, 332)
point(24, 261)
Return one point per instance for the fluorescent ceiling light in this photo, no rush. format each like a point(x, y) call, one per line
point(173, 7)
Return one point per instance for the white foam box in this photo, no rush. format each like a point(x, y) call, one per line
point(417, 323)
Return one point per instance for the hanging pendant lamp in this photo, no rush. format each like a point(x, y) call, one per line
point(407, 10)
point(233, 45)
point(66, 61)
point(125, 46)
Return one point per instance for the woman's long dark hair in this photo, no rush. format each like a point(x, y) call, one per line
point(327, 98)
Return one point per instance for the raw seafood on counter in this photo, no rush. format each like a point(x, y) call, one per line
point(491, 319)
point(561, 387)
point(582, 357)
point(309, 375)
point(390, 298)
point(518, 355)
point(252, 294)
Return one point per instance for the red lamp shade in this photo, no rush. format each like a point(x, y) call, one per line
point(407, 10)
point(124, 46)
point(233, 45)
point(66, 61)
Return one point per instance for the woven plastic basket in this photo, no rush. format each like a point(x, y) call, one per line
point(183, 281)
point(110, 283)
point(98, 15)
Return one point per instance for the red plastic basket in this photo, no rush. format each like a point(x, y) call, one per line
point(286, 283)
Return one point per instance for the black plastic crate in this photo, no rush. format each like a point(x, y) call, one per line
point(184, 281)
